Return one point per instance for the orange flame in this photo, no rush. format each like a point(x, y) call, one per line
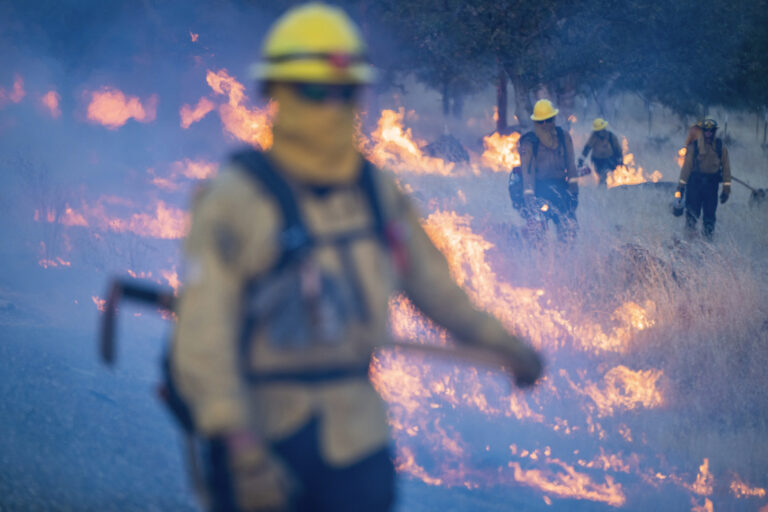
point(101, 304)
point(704, 480)
point(569, 483)
point(188, 169)
point(190, 115)
point(628, 173)
point(50, 101)
point(193, 36)
point(706, 507)
point(173, 279)
point(740, 489)
point(111, 108)
point(52, 263)
point(681, 156)
point(16, 94)
point(166, 222)
point(624, 389)
point(253, 126)
point(393, 147)
point(501, 153)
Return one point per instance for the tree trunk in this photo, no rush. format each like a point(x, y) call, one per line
point(523, 105)
point(566, 97)
point(458, 106)
point(649, 110)
point(501, 102)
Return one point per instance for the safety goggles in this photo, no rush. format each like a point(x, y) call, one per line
point(326, 93)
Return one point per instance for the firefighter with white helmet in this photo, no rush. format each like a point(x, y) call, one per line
point(291, 259)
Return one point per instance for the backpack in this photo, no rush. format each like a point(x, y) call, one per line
point(718, 149)
point(515, 184)
point(296, 242)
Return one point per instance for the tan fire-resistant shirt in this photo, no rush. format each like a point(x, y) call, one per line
point(232, 239)
point(707, 163)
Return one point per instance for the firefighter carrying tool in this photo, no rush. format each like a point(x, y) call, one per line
point(291, 259)
point(706, 165)
point(605, 147)
point(548, 176)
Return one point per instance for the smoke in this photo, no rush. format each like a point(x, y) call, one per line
point(648, 336)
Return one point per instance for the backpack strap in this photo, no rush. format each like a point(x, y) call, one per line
point(718, 150)
point(561, 143)
point(294, 237)
point(369, 188)
point(531, 138)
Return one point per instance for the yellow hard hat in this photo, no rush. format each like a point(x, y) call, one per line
point(543, 110)
point(316, 43)
point(599, 124)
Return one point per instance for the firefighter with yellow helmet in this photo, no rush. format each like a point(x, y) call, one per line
point(548, 173)
point(706, 165)
point(606, 150)
point(291, 259)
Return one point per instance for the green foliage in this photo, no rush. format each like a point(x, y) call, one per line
point(686, 54)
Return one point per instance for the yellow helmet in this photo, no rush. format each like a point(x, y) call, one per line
point(543, 110)
point(314, 43)
point(599, 124)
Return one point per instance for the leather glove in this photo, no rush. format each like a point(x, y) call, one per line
point(260, 481)
point(526, 364)
point(725, 194)
point(580, 162)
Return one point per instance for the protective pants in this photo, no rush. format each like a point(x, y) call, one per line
point(701, 196)
point(561, 208)
point(603, 166)
point(366, 485)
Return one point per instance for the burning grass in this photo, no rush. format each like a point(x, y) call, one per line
point(655, 344)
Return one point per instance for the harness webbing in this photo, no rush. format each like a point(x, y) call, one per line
point(296, 241)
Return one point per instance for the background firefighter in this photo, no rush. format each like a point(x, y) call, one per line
point(292, 420)
point(549, 173)
point(605, 147)
point(706, 165)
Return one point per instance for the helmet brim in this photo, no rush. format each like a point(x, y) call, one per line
point(544, 117)
point(313, 71)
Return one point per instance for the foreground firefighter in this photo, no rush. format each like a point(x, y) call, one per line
point(550, 191)
point(605, 147)
point(291, 259)
point(706, 165)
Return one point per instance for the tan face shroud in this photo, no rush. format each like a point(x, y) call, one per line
point(314, 142)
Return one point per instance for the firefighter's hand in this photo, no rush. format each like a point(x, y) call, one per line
point(726, 193)
point(526, 364)
point(680, 188)
point(260, 481)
